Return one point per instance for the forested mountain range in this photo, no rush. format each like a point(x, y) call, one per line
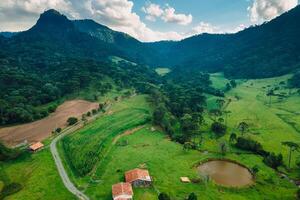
point(261, 51)
point(58, 56)
point(270, 49)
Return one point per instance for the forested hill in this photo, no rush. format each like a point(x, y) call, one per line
point(267, 50)
point(54, 59)
point(262, 51)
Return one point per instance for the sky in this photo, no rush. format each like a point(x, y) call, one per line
point(150, 20)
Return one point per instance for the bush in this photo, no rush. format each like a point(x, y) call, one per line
point(218, 128)
point(7, 153)
point(249, 145)
point(72, 120)
point(298, 194)
point(58, 130)
point(94, 111)
point(163, 196)
point(273, 160)
point(10, 189)
point(192, 196)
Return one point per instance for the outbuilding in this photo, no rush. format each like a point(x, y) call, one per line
point(138, 178)
point(122, 191)
point(36, 146)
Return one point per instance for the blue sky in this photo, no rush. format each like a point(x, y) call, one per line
point(227, 14)
point(150, 20)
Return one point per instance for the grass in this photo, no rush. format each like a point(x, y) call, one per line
point(162, 71)
point(97, 137)
point(37, 174)
point(167, 162)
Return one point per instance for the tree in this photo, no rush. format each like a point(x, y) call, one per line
point(273, 160)
point(72, 120)
point(187, 146)
point(215, 113)
point(192, 196)
point(243, 127)
point(232, 138)
point(270, 93)
point(163, 196)
point(226, 112)
point(159, 114)
point(223, 147)
point(58, 130)
point(220, 103)
point(218, 128)
point(292, 147)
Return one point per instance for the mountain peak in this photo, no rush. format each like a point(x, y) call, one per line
point(52, 19)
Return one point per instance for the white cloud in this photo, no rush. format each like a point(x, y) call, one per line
point(153, 11)
point(204, 28)
point(262, 10)
point(17, 15)
point(168, 14)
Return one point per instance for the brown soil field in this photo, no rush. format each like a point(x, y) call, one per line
point(42, 129)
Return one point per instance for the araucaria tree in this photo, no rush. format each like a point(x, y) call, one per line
point(292, 147)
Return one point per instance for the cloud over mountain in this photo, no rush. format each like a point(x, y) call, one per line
point(262, 10)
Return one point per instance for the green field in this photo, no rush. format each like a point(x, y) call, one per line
point(162, 71)
point(167, 162)
point(97, 155)
point(37, 174)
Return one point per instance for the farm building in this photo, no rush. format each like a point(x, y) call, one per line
point(36, 146)
point(138, 178)
point(122, 191)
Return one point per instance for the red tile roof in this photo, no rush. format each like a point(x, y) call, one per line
point(137, 174)
point(122, 190)
point(36, 146)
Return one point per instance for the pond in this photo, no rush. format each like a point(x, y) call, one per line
point(227, 173)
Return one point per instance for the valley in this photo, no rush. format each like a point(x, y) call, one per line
point(166, 160)
point(87, 112)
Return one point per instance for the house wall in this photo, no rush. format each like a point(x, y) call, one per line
point(141, 183)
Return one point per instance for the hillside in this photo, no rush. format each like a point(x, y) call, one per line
point(268, 52)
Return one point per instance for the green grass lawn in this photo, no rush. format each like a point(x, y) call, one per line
point(167, 162)
point(37, 174)
point(162, 71)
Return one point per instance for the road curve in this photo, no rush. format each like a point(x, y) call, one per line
point(62, 172)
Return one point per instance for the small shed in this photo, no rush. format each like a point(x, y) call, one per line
point(185, 180)
point(122, 191)
point(138, 178)
point(36, 146)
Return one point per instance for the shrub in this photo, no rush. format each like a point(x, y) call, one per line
point(192, 196)
point(58, 130)
point(94, 111)
point(273, 160)
point(72, 120)
point(249, 145)
point(218, 128)
point(10, 189)
point(163, 196)
point(7, 153)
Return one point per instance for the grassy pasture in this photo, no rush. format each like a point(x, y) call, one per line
point(37, 174)
point(270, 125)
point(167, 162)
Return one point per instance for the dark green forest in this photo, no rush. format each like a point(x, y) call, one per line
point(57, 57)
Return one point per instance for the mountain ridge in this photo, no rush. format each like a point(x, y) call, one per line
point(258, 46)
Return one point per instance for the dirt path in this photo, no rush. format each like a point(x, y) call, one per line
point(42, 129)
